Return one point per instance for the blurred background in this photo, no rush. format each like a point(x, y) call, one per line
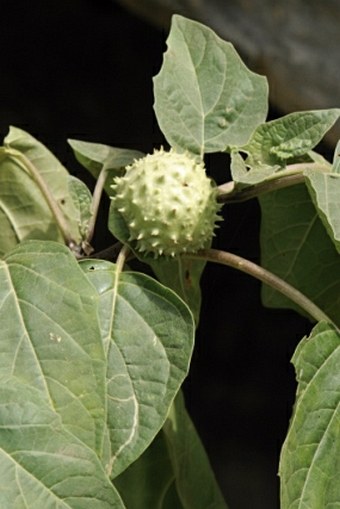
point(83, 69)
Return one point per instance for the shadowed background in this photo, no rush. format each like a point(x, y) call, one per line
point(83, 69)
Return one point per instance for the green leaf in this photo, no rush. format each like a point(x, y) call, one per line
point(148, 336)
point(289, 137)
point(310, 458)
point(42, 465)
point(183, 277)
point(174, 471)
point(96, 157)
point(82, 200)
point(195, 481)
point(336, 159)
point(205, 97)
point(50, 339)
point(52, 384)
point(296, 247)
point(324, 189)
point(243, 176)
point(118, 226)
point(171, 498)
point(317, 158)
point(24, 212)
point(146, 483)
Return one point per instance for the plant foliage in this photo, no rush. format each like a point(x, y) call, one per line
point(93, 355)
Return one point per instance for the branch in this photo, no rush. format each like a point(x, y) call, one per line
point(239, 263)
point(293, 174)
point(97, 194)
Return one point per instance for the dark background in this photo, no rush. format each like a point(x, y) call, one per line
point(83, 69)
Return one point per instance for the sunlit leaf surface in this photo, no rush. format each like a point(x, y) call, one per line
point(148, 338)
point(205, 97)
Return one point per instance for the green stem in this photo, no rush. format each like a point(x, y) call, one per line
point(239, 263)
point(122, 257)
point(53, 205)
point(97, 194)
point(293, 174)
point(229, 194)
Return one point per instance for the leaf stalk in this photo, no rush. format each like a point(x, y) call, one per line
point(292, 175)
point(97, 194)
point(270, 279)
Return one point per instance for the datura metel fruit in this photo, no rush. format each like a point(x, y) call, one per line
point(168, 203)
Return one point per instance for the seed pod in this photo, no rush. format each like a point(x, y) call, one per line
point(168, 203)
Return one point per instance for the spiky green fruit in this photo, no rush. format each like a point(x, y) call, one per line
point(168, 203)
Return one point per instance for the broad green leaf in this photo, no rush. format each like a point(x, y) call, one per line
point(317, 158)
point(24, 212)
point(296, 247)
point(173, 472)
point(42, 465)
point(196, 484)
point(146, 483)
point(336, 159)
point(324, 189)
point(148, 337)
point(289, 137)
point(118, 226)
point(205, 97)
point(243, 176)
point(50, 338)
point(171, 499)
point(181, 275)
point(82, 200)
point(96, 157)
point(310, 458)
